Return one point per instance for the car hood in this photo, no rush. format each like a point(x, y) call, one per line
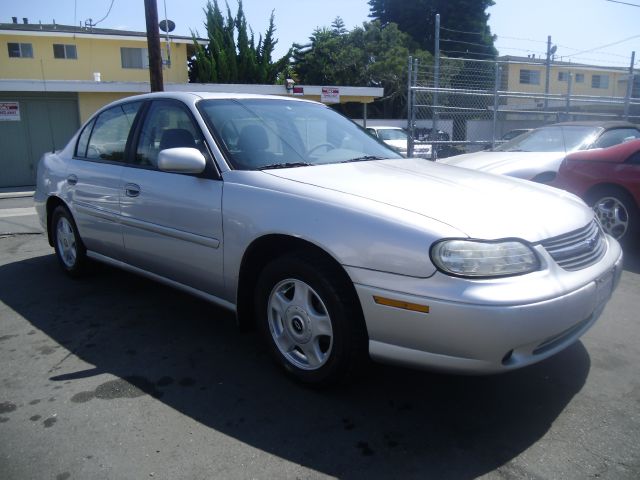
point(402, 145)
point(478, 205)
point(517, 164)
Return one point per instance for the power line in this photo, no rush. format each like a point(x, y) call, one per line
point(461, 31)
point(108, 12)
point(521, 39)
point(603, 46)
point(624, 3)
point(466, 43)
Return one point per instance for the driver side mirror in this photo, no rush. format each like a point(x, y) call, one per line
point(181, 160)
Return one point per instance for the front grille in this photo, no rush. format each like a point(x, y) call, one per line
point(578, 249)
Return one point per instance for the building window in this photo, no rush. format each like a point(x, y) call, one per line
point(20, 50)
point(600, 81)
point(530, 77)
point(64, 51)
point(134, 57)
point(579, 77)
point(563, 76)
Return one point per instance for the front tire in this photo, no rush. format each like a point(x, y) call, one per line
point(311, 320)
point(618, 214)
point(70, 251)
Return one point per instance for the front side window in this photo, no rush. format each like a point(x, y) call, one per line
point(616, 136)
point(600, 81)
point(530, 77)
point(64, 51)
point(167, 124)
point(109, 136)
point(134, 57)
point(579, 77)
point(262, 133)
point(20, 50)
point(563, 76)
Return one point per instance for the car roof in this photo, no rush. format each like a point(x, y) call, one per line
point(618, 152)
point(381, 127)
point(190, 96)
point(606, 124)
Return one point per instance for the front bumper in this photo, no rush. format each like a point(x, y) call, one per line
point(478, 337)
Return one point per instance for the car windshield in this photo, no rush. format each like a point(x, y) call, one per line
point(266, 133)
point(392, 134)
point(555, 138)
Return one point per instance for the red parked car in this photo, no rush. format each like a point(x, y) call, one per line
point(608, 179)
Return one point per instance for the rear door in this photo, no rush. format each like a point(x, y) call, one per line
point(172, 222)
point(94, 178)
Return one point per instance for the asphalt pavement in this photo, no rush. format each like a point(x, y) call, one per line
point(116, 377)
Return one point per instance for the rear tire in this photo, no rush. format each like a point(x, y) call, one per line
point(70, 251)
point(311, 319)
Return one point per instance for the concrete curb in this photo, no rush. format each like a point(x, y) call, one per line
point(16, 193)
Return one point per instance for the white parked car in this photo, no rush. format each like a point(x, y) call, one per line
point(398, 139)
point(537, 154)
point(332, 244)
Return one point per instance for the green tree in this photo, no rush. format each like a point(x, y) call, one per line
point(231, 55)
point(371, 55)
point(464, 28)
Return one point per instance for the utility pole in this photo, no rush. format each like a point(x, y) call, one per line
point(153, 45)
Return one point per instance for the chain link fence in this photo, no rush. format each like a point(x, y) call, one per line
point(462, 105)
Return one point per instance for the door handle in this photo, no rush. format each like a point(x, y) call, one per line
point(72, 179)
point(132, 190)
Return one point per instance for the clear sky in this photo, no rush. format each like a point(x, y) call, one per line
point(522, 26)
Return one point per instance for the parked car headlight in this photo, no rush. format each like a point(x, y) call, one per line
point(473, 258)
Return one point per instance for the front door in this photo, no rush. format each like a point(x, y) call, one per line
point(171, 222)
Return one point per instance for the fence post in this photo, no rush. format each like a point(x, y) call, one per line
point(409, 105)
point(496, 102)
point(412, 132)
point(436, 86)
point(569, 88)
point(627, 98)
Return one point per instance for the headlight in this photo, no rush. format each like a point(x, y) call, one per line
point(473, 258)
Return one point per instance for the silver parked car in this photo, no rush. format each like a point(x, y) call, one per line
point(332, 244)
point(536, 155)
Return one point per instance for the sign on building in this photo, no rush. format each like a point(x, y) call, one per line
point(9, 111)
point(330, 95)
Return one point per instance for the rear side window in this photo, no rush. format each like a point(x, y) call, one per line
point(83, 140)
point(108, 139)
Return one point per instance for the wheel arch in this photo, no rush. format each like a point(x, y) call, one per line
point(52, 203)
point(592, 193)
point(259, 253)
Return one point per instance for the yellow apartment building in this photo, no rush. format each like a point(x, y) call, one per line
point(54, 77)
point(528, 75)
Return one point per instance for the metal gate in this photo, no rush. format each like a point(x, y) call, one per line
point(44, 122)
point(460, 105)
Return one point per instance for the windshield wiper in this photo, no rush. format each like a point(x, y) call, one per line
point(284, 165)
point(363, 159)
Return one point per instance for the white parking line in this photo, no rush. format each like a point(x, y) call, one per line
point(17, 212)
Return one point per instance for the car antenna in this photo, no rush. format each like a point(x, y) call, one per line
point(44, 85)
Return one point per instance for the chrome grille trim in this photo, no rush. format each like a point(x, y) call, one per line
point(577, 249)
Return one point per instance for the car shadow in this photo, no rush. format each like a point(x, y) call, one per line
point(632, 258)
point(188, 354)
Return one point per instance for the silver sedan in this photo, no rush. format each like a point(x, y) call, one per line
point(333, 245)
